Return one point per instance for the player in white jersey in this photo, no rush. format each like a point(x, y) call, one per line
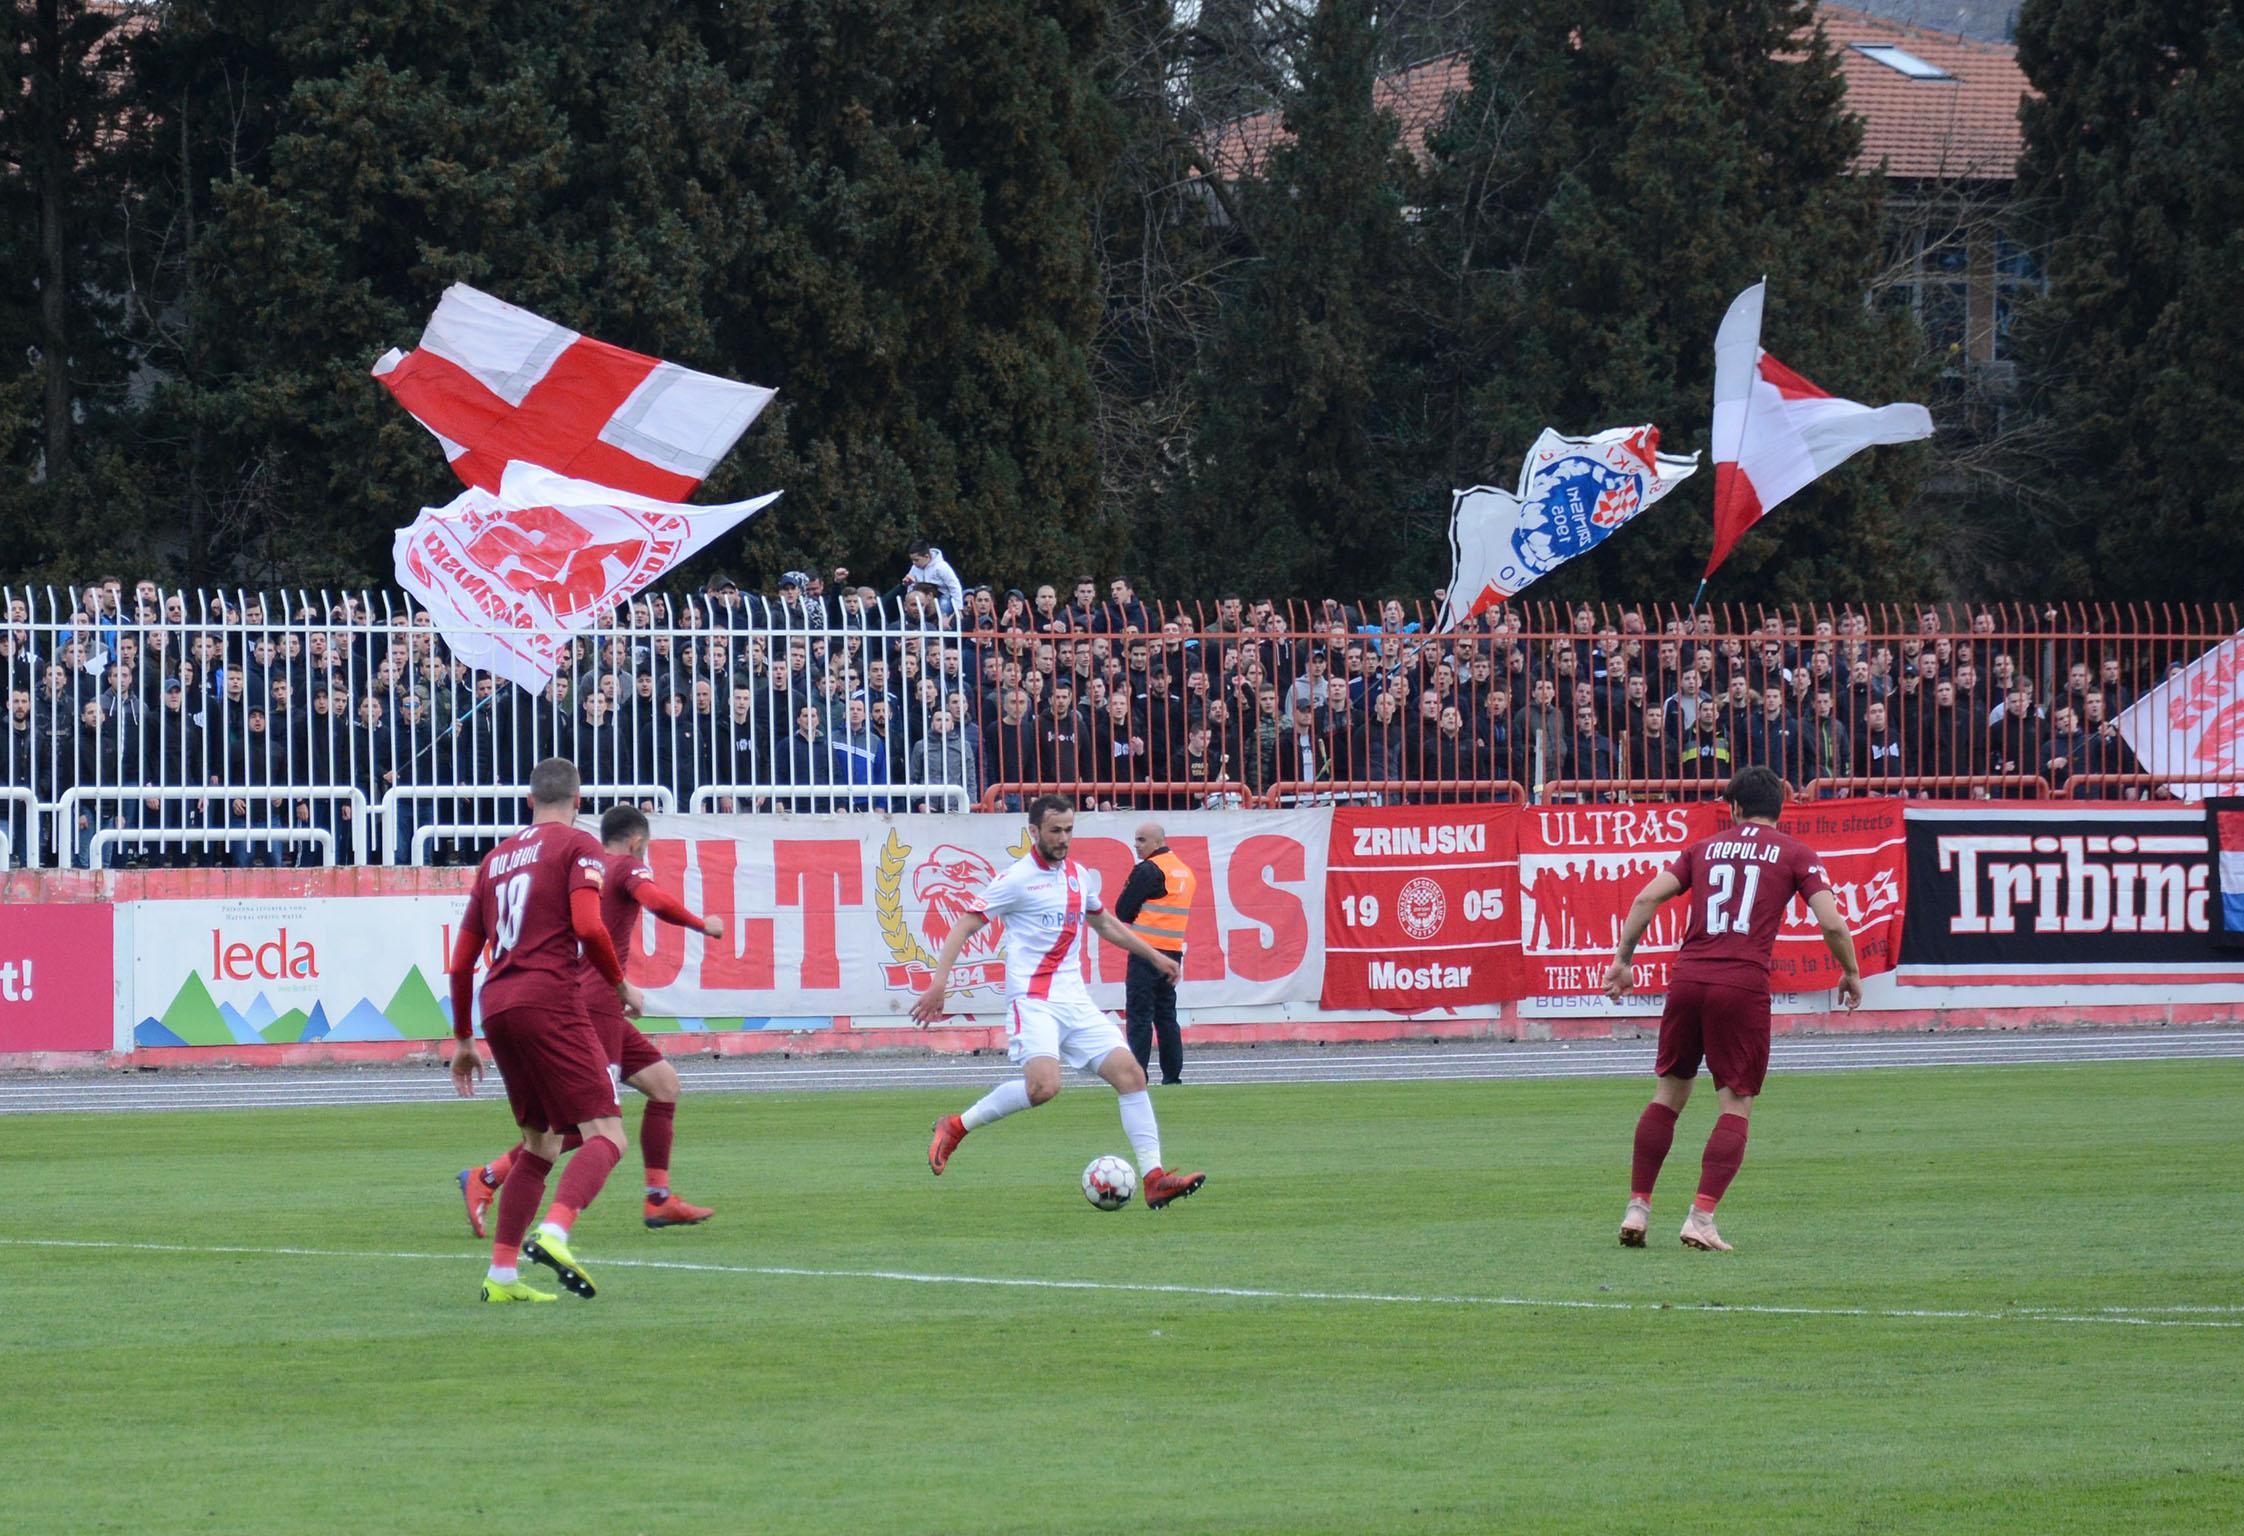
point(1046, 901)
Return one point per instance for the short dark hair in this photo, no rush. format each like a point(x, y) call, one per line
point(1049, 805)
point(919, 547)
point(622, 823)
point(1756, 793)
point(554, 782)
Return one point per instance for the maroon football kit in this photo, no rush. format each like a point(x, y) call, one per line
point(1739, 880)
point(524, 908)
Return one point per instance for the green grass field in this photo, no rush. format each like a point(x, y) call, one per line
point(181, 1386)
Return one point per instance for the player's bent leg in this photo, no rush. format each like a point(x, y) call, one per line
point(581, 1183)
point(658, 1080)
point(1040, 1075)
point(1007, 1098)
point(1162, 1188)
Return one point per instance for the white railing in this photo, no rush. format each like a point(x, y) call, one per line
point(239, 826)
point(27, 819)
point(409, 794)
point(704, 800)
point(112, 837)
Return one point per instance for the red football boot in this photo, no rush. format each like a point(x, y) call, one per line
point(478, 1196)
point(1161, 1187)
point(670, 1211)
point(949, 1132)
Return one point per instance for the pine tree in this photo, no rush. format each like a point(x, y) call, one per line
point(1306, 418)
point(2131, 176)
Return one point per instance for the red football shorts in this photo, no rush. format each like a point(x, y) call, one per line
point(628, 1050)
point(556, 1074)
point(1726, 1026)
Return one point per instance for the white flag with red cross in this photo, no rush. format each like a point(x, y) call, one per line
point(1774, 431)
point(511, 576)
point(2192, 724)
point(497, 384)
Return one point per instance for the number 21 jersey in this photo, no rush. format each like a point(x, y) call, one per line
point(1740, 880)
point(522, 896)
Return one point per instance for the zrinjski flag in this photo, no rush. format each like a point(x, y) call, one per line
point(1774, 431)
point(497, 384)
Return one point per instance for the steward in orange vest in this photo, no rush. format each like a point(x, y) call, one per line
point(1155, 904)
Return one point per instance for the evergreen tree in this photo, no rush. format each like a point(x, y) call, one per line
point(1306, 419)
point(2131, 176)
point(1615, 174)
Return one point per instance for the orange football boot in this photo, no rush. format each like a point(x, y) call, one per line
point(949, 1132)
point(1161, 1187)
point(478, 1196)
point(670, 1211)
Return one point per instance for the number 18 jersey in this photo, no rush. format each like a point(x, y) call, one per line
point(1740, 880)
point(522, 896)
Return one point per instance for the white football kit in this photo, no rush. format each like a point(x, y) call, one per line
point(1049, 1012)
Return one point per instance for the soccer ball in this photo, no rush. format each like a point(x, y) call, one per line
point(1109, 1183)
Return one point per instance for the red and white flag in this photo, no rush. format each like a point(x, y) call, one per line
point(1774, 431)
point(511, 576)
point(498, 384)
point(2193, 724)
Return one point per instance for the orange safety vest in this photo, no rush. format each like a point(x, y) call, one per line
point(1161, 921)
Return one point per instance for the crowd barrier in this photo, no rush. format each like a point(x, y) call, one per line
point(152, 728)
point(1314, 922)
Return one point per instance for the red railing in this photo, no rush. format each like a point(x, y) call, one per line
point(1172, 793)
point(1998, 786)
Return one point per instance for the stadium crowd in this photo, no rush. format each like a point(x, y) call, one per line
point(244, 719)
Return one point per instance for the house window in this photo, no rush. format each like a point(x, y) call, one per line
point(1902, 61)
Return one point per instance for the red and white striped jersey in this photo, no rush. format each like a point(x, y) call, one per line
point(1043, 907)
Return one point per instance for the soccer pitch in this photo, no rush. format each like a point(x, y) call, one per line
point(1964, 1300)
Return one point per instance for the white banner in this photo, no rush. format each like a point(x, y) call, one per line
point(845, 915)
point(2193, 723)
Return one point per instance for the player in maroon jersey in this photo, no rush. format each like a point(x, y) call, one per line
point(629, 885)
point(1740, 881)
point(537, 902)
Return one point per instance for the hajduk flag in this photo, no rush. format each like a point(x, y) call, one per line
point(497, 384)
point(1774, 431)
point(2192, 724)
point(1574, 494)
point(2225, 824)
point(511, 576)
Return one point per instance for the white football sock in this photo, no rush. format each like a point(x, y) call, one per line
point(1138, 1124)
point(505, 1274)
point(1005, 1099)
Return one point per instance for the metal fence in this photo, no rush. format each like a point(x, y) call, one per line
point(166, 727)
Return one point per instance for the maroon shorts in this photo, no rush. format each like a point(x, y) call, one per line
point(1727, 1026)
point(556, 1074)
point(629, 1050)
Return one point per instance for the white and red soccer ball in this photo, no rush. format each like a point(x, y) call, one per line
point(1109, 1182)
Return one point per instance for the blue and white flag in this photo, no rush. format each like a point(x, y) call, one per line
point(1573, 493)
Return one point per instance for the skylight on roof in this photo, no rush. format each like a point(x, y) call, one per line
point(1902, 61)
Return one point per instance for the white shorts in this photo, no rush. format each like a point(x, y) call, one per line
point(1070, 1031)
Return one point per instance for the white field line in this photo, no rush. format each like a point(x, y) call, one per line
point(2136, 1318)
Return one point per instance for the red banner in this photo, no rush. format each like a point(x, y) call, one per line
point(56, 978)
point(1421, 907)
point(1581, 866)
point(1865, 856)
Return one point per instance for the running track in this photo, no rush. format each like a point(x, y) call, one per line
point(1409, 1062)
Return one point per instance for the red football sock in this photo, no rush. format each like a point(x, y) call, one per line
point(581, 1181)
point(495, 1171)
point(1725, 1150)
point(518, 1206)
point(1655, 1133)
point(656, 1128)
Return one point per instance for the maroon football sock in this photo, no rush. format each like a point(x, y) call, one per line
point(518, 1206)
point(571, 1141)
point(581, 1180)
point(1655, 1133)
point(1725, 1150)
point(657, 1127)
